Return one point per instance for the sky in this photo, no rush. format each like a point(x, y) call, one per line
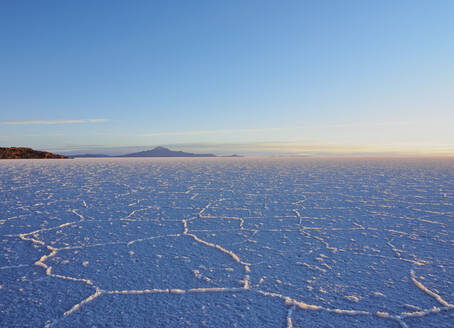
point(249, 77)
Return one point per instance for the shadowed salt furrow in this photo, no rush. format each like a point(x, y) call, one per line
point(333, 240)
point(289, 316)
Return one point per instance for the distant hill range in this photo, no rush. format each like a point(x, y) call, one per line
point(25, 153)
point(155, 152)
point(88, 156)
point(165, 152)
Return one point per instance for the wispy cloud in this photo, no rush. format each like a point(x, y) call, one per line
point(190, 133)
point(270, 129)
point(48, 122)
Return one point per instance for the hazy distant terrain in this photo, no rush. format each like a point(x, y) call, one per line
point(155, 152)
point(227, 243)
point(165, 152)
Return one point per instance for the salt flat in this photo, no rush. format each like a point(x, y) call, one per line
point(227, 242)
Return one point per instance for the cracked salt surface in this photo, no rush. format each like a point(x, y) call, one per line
point(227, 243)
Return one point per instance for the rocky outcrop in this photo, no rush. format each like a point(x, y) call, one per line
point(22, 153)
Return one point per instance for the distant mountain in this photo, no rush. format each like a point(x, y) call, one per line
point(165, 152)
point(25, 153)
point(156, 152)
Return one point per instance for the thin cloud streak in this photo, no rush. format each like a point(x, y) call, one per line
point(187, 133)
point(227, 131)
point(50, 122)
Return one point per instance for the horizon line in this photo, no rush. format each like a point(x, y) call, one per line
point(274, 149)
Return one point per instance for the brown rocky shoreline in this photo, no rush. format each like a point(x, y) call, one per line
point(25, 153)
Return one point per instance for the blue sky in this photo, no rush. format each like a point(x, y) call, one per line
point(233, 76)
